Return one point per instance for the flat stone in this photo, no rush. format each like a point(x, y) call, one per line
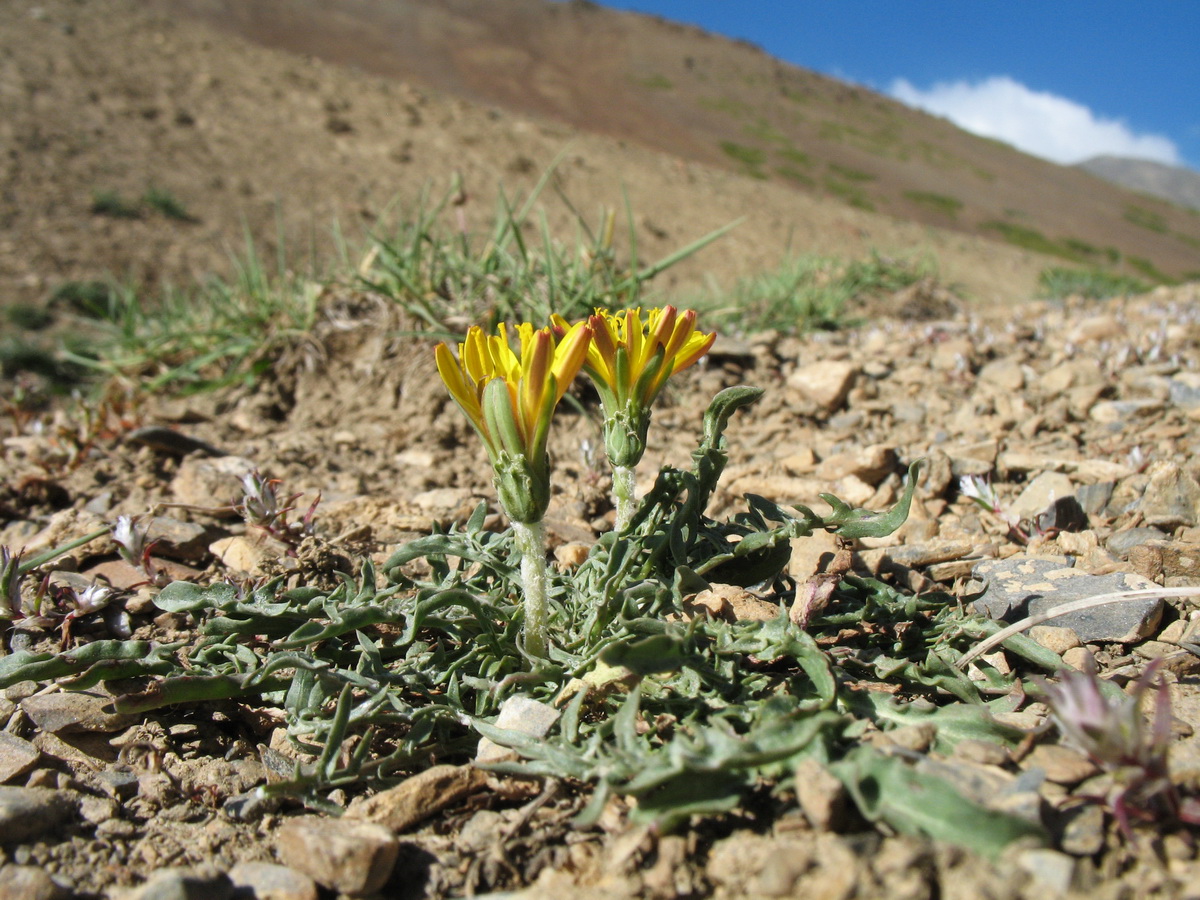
point(29, 883)
point(1122, 542)
point(213, 485)
point(984, 753)
point(416, 798)
point(1108, 412)
point(120, 784)
point(74, 711)
point(1062, 765)
point(1040, 493)
point(1067, 375)
point(1017, 587)
point(521, 714)
point(1049, 868)
point(183, 884)
point(1055, 638)
point(1184, 391)
point(870, 464)
point(268, 881)
point(182, 541)
point(825, 383)
point(1172, 497)
point(17, 756)
point(1006, 374)
point(247, 554)
point(821, 796)
point(1081, 829)
point(1094, 497)
point(346, 855)
point(26, 812)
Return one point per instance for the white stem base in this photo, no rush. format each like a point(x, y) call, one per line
point(531, 543)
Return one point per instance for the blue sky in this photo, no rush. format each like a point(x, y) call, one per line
point(1063, 79)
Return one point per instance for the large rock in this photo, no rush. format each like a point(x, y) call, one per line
point(824, 383)
point(70, 711)
point(26, 812)
point(352, 857)
point(1172, 497)
point(1017, 587)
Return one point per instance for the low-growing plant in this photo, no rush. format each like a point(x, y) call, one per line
point(112, 204)
point(1148, 269)
point(89, 298)
point(220, 333)
point(1057, 283)
point(28, 317)
point(848, 192)
point(811, 292)
point(1146, 218)
point(939, 203)
point(444, 277)
point(663, 698)
point(163, 201)
point(749, 158)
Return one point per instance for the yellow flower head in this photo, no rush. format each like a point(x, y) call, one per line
point(515, 420)
point(629, 359)
point(632, 357)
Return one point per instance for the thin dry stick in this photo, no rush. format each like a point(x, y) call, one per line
point(1075, 606)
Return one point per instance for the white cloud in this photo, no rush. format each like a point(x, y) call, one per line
point(1037, 122)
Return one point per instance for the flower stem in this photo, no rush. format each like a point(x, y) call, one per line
point(531, 543)
point(624, 486)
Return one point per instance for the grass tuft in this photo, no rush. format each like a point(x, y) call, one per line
point(807, 293)
point(1095, 284)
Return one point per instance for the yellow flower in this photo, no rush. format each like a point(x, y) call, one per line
point(509, 398)
point(642, 374)
point(629, 359)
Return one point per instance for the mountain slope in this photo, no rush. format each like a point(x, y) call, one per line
point(106, 102)
point(1172, 183)
point(720, 102)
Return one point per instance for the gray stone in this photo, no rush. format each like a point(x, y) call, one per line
point(183, 541)
point(267, 881)
point(183, 884)
point(1124, 541)
point(1081, 829)
point(70, 711)
point(26, 812)
point(1184, 391)
point(249, 806)
point(17, 756)
point(28, 883)
point(1094, 497)
point(120, 784)
point(1049, 868)
point(1172, 497)
point(1017, 587)
point(350, 856)
point(521, 714)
